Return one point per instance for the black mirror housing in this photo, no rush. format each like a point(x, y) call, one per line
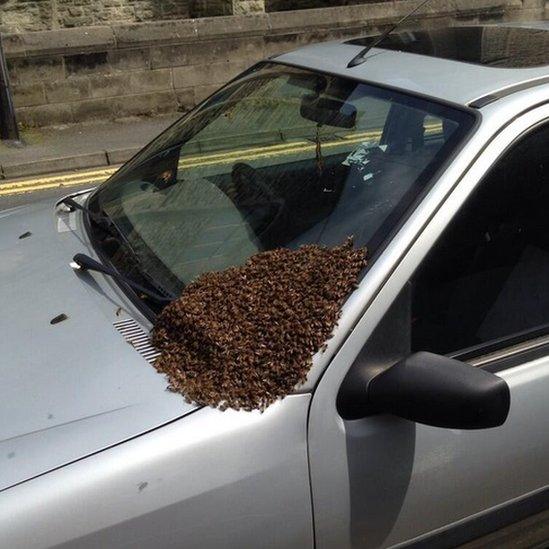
point(434, 390)
point(442, 392)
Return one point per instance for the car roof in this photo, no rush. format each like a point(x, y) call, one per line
point(437, 64)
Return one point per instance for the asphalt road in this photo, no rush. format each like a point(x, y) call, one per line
point(11, 201)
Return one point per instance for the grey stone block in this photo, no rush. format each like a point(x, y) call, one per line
point(283, 43)
point(123, 60)
point(131, 82)
point(40, 69)
point(233, 25)
point(146, 104)
point(109, 85)
point(45, 115)
point(86, 63)
point(71, 89)
point(94, 109)
point(285, 21)
point(240, 49)
point(206, 74)
point(177, 55)
point(150, 81)
point(151, 33)
point(13, 45)
point(67, 40)
point(332, 18)
point(370, 14)
point(26, 95)
point(190, 76)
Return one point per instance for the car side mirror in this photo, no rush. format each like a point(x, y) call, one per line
point(430, 389)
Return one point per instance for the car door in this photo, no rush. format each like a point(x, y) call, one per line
point(473, 285)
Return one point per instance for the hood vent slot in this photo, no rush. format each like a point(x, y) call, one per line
point(134, 334)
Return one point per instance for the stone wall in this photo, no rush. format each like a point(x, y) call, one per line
point(209, 8)
point(33, 15)
point(115, 71)
point(286, 5)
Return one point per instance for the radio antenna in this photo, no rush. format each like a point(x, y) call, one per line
point(360, 58)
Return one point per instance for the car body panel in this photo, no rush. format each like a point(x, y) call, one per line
point(446, 80)
point(72, 388)
point(213, 479)
point(411, 465)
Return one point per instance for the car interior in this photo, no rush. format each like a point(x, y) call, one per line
point(338, 165)
point(298, 202)
point(492, 259)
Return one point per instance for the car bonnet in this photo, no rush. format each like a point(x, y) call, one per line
point(74, 387)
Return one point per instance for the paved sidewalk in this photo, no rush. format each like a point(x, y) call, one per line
point(78, 146)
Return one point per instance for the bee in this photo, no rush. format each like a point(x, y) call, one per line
point(244, 337)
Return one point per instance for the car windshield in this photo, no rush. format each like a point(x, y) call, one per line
point(280, 157)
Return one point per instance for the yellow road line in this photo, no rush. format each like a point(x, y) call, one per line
point(286, 148)
point(98, 175)
point(281, 147)
point(53, 181)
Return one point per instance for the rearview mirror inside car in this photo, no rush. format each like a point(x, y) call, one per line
point(329, 112)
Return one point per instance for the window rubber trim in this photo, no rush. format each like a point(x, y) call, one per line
point(510, 350)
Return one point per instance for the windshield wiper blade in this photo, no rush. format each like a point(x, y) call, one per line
point(102, 220)
point(109, 226)
point(86, 263)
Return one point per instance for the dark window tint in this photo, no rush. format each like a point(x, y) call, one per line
point(487, 279)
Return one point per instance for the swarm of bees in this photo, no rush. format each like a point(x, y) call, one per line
point(245, 337)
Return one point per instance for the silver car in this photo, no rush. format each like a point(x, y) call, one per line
point(423, 423)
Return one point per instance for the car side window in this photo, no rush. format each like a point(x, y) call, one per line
point(486, 281)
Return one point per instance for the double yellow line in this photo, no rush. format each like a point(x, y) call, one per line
point(97, 175)
point(292, 147)
point(27, 185)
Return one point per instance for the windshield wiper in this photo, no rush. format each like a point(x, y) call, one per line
point(101, 220)
point(84, 262)
point(110, 227)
